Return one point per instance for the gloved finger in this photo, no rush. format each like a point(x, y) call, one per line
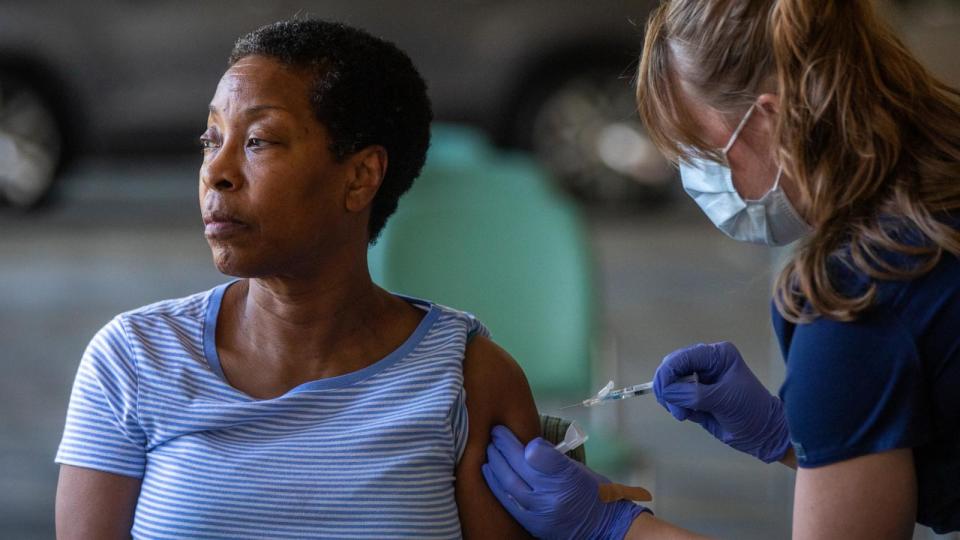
point(708, 422)
point(725, 355)
point(711, 396)
point(502, 431)
point(521, 514)
point(735, 361)
point(712, 426)
point(678, 407)
point(680, 413)
point(512, 451)
point(658, 383)
point(704, 360)
point(677, 365)
point(601, 479)
point(546, 459)
point(701, 417)
point(682, 394)
point(511, 482)
point(514, 485)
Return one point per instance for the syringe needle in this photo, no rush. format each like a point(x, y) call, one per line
point(608, 394)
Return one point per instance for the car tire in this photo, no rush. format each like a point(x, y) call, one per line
point(30, 143)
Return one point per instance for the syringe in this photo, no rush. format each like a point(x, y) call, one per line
point(608, 393)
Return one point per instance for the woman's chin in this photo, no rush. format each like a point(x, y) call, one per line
point(230, 263)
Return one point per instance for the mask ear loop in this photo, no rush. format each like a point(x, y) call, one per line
point(736, 132)
point(776, 181)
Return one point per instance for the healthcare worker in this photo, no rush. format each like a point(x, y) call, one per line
point(803, 120)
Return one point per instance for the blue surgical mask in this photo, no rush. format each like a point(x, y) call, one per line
point(770, 220)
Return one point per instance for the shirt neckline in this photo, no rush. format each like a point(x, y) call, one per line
point(339, 381)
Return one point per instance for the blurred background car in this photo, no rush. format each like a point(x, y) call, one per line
point(125, 76)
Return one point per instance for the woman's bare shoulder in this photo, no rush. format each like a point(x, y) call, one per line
point(497, 387)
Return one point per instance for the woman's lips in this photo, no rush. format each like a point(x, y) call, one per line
point(221, 230)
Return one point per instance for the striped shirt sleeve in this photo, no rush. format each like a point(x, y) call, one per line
point(102, 430)
point(459, 424)
point(475, 327)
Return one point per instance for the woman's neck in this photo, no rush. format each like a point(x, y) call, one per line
point(289, 331)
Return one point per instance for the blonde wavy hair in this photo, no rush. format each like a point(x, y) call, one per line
point(870, 138)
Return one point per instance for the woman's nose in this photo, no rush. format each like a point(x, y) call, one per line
point(220, 170)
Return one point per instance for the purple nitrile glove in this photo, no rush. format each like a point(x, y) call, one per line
point(727, 400)
point(551, 495)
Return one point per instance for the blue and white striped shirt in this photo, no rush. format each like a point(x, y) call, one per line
point(369, 454)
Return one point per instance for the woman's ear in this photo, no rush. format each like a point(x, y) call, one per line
point(767, 111)
point(769, 104)
point(366, 171)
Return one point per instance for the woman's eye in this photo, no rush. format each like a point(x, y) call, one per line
point(254, 142)
point(207, 143)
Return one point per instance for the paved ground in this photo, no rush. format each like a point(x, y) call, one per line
point(124, 237)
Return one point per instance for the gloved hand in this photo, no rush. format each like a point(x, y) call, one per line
point(551, 495)
point(728, 400)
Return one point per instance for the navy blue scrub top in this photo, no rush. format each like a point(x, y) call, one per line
point(890, 379)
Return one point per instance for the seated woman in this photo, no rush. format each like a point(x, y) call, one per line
point(300, 400)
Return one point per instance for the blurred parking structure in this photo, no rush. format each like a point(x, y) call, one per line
point(553, 76)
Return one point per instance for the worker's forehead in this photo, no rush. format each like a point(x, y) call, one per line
point(712, 125)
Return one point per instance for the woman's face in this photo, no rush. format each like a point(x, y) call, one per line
point(752, 158)
point(271, 193)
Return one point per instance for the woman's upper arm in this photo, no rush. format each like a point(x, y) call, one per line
point(872, 496)
point(102, 454)
point(496, 393)
point(94, 504)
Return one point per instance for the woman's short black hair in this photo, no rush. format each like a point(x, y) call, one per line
point(366, 92)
